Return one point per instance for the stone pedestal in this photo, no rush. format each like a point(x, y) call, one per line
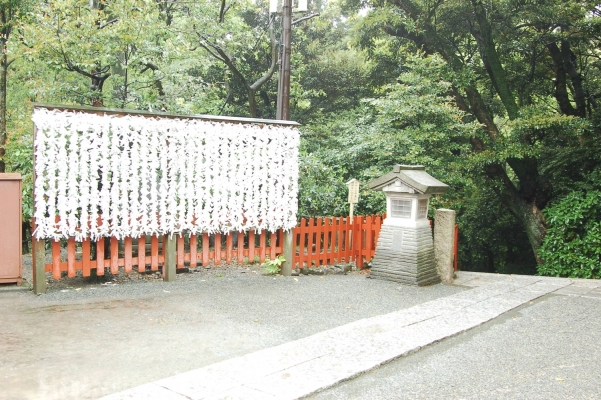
point(405, 255)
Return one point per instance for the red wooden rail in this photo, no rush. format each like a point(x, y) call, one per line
point(319, 241)
point(330, 240)
point(191, 249)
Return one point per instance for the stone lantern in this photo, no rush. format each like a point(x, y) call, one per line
point(405, 249)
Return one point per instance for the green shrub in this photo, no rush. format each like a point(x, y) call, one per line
point(272, 267)
point(572, 245)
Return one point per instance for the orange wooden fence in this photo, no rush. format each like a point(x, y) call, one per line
point(330, 240)
point(319, 241)
point(191, 250)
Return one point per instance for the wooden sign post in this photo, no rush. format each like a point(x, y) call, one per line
point(353, 194)
point(353, 198)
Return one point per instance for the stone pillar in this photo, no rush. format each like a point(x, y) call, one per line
point(288, 252)
point(169, 267)
point(444, 232)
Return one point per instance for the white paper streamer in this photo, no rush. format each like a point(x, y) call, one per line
point(109, 175)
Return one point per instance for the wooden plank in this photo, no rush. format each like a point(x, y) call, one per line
point(240, 256)
point(154, 253)
point(358, 241)
point(341, 238)
point(150, 114)
point(193, 250)
point(114, 256)
point(251, 246)
point(272, 245)
point(205, 249)
point(71, 257)
point(217, 259)
point(377, 228)
point(180, 251)
point(369, 236)
point(56, 259)
point(85, 257)
point(100, 257)
point(324, 241)
point(142, 254)
point(127, 254)
point(347, 239)
point(316, 242)
point(322, 245)
point(338, 234)
point(332, 243)
point(331, 240)
point(301, 230)
point(228, 248)
point(325, 228)
point(262, 245)
point(310, 242)
point(327, 233)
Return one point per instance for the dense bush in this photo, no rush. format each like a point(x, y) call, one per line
point(572, 246)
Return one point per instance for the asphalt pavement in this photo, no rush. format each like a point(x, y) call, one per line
point(302, 367)
point(487, 336)
point(550, 349)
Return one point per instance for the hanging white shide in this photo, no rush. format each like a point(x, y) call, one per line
point(107, 175)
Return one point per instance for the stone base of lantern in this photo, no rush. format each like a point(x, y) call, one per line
point(405, 255)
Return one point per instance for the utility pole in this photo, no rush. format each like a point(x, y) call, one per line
point(283, 105)
point(283, 113)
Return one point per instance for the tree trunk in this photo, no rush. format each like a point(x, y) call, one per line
point(252, 102)
point(561, 87)
point(491, 60)
point(533, 221)
point(524, 203)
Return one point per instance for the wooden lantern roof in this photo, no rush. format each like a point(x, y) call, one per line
point(414, 176)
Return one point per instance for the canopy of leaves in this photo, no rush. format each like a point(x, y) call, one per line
point(499, 99)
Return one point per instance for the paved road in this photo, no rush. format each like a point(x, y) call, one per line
point(550, 349)
point(84, 340)
point(302, 367)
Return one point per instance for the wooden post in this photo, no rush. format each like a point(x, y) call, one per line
point(39, 267)
point(288, 252)
point(353, 198)
point(169, 245)
point(38, 247)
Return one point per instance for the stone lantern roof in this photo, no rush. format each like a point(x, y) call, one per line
point(413, 176)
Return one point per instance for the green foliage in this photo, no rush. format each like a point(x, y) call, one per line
point(397, 82)
point(20, 159)
point(322, 190)
point(572, 246)
point(272, 267)
point(490, 237)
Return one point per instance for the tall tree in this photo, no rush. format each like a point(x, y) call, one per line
point(10, 11)
point(517, 68)
point(96, 40)
point(242, 36)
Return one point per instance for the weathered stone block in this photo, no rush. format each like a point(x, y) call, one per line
point(444, 239)
point(405, 255)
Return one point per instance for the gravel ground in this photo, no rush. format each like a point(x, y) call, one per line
point(86, 338)
point(548, 350)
